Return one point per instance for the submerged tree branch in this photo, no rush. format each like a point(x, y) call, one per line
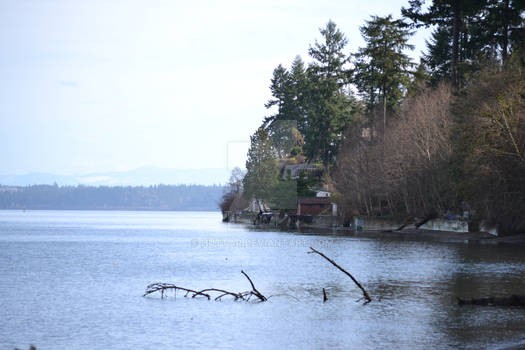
point(163, 288)
point(365, 294)
point(254, 290)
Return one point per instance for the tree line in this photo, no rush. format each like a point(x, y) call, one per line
point(442, 136)
point(159, 197)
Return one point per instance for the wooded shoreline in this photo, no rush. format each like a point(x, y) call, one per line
point(385, 136)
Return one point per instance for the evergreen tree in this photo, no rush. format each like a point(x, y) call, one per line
point(329, 103)
point(381, 71)
point(283, 195)
point(503, 25)
point(450, 15)
point(419, 80)
point(281, 93)
point(329, 57)
point(261, 167)
point(288, 96)
point(299, 84)
point(439, 56)
point(471, 34)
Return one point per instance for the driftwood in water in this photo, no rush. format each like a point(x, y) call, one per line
point(365, 294)
point(162, 288)
point(218, 294)
point(513, 300)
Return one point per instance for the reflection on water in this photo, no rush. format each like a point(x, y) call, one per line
point(74, 280)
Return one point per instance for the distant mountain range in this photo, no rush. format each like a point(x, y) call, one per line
point(144, 176)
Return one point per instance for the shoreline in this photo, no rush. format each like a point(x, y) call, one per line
point(450, 236)
point(409, 233)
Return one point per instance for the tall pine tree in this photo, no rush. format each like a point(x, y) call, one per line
point(329, 101)
point(382, 69)
point(287, 124)
point(450, 15)
point(503, 25)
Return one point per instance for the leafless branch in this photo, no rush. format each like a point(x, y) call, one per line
point(163, 288)
point(365, 294)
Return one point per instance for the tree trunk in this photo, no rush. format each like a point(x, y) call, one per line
point(384, 113)
point(505, 39)
point(456, 26)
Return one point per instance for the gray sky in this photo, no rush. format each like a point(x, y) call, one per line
point(108, 85)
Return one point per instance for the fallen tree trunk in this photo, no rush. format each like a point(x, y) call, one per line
point(513, 300)
point(424, 221)
point(407, 222)
point(365, 294)
point(163, 288)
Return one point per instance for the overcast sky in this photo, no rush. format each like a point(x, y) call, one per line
point(108, 85)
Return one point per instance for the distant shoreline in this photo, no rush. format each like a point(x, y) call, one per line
point(152, 198)
point(108, 209)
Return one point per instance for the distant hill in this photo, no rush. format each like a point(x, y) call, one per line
point(159, 197)
point(145, 176)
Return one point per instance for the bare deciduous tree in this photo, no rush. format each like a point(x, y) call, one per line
point(401, 174)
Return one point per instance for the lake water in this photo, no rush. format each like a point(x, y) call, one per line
point(75, 279)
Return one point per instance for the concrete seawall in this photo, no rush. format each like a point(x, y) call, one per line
point(386, 224)
point(360, 224)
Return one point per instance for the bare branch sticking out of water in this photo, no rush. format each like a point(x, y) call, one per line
point(365, 294)
point(218, 294)
point(254, 290)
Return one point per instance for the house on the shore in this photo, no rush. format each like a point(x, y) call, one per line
point(319, 206)
point(295, 170)
point(315, 206)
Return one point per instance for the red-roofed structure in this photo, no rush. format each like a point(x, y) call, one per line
point(314, 206)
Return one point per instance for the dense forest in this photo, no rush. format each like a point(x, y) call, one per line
point(444, 136)
point(160, 197)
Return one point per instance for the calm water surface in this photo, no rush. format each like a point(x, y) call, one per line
point(74, 280)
